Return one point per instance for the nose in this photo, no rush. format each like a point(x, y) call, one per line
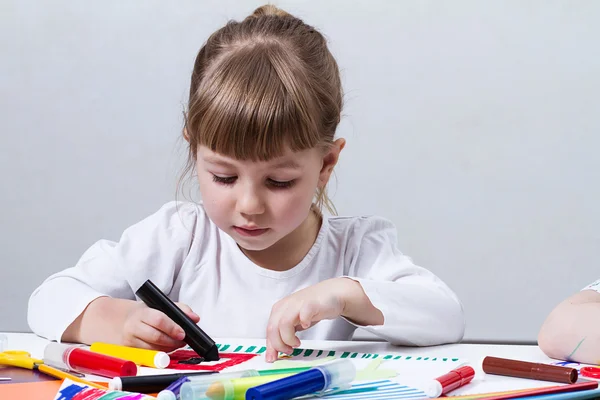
point(250, 202)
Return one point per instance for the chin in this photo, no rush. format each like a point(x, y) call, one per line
point(254, 244)
point(246, 245)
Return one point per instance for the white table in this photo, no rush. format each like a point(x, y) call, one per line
point(472, 353)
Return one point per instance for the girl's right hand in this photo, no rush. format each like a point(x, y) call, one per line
point(148, 328)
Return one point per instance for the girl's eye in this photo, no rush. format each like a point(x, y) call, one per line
point(280, 184)
point(224, 180)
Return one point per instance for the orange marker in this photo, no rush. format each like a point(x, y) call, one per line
point(57, 373)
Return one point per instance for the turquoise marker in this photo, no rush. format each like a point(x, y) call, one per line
point(283, 371)
point(172, 392)
point(197, 388)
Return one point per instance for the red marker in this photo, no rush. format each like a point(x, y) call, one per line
point(452, 380)
point(75, 358)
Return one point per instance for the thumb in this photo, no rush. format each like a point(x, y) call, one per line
point(188, 311)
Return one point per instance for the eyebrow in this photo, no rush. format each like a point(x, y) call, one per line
point(291, 164)
point(217, 161)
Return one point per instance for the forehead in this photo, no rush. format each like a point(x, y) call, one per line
point(288, 160)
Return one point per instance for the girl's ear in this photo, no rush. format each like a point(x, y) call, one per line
point(186, 135)
point(330, 159)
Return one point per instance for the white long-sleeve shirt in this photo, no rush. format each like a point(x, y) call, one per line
point(192, 261)
point(593, 286)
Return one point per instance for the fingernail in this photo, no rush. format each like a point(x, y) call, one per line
point(180, 335)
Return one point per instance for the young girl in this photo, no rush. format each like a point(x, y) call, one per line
point(572, 330)
point(257, 258)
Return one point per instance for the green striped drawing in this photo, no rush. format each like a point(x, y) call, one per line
point(312, 353)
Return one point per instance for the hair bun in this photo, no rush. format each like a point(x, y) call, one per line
point(269, 10)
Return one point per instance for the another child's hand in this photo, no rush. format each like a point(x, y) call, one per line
point(148, 328)
point(301, 310)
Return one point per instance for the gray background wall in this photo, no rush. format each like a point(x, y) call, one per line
point(472, 125)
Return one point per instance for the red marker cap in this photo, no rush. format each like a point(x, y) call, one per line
point(590, 372)
point(452, 380)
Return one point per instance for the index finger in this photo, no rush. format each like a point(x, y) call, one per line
point(189, 312)
point(160, 321)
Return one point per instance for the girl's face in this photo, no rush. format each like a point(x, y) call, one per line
point(259, 203)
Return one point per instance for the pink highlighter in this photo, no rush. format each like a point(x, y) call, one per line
point(452, 380)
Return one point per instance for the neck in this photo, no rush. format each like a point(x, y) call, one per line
point(289, 251)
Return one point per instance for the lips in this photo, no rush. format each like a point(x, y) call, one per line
point(250, 232)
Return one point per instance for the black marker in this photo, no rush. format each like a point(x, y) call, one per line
point(195, 337)
point(148, 383)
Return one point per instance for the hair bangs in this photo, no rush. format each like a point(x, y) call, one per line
point(251, 105)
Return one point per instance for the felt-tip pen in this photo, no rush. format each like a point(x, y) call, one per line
point(150, 383)
point(337, 374)
point(195, 337)
point(452, 380)
point(145, 357)
point(78, 359)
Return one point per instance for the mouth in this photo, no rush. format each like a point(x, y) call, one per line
point(250, 232)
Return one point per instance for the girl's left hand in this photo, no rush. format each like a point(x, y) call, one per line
point(303, 309)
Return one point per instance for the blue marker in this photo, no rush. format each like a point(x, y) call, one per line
point(337, 374)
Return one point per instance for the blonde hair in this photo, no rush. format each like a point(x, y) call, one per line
point(261, 85)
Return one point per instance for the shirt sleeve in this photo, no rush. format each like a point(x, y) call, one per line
point(418, 308)
point(593, 286)
point(154, 248)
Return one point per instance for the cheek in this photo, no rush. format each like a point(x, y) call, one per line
point(294, 206)
point(214, 200)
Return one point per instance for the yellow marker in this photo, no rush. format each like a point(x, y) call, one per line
point(148, 358)
point(235, 389)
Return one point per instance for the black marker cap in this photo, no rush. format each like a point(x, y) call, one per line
point(195, 337)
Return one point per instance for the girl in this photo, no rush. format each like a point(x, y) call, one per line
point(572, 330)
point(257, 258)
